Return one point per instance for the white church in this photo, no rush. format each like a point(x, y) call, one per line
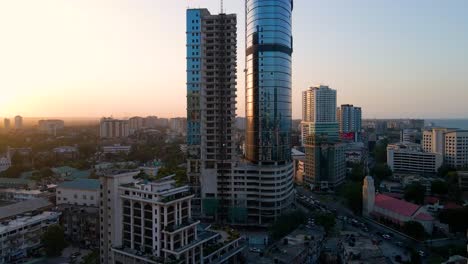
point(380, 206)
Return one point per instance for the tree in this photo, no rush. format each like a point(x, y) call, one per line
point(91, 258)
point(443, 170)
point(415, 192)
point(414, 229)
point(54, 241)
point(380, 151)
point(455, 218)
point(439, 187)
point(286, 223)
point(352, 193)
point(357, 172)
point(381, 171)
point(326, 220)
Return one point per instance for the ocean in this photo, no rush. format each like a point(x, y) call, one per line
point(450, 123)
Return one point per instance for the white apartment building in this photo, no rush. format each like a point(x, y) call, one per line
point(51, 126)
point(409, 157)
point(114, 128)
point(18, 122)
point(151, 222)
point(20, 236)
point(81, 192)
point(452, 143)
point(136, 123)
point(319, 112)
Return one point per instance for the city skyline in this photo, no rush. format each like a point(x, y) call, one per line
point(410, 54)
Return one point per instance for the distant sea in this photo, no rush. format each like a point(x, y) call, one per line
point(450, 123)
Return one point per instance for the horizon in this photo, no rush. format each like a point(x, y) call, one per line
point(106, 59)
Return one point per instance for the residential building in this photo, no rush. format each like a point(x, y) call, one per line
point(384, 207)
point(463, 180)
point(17, 183)
point(410, 135)
point(456, 149)
point(136, 123)
point(6, 124)
point(115, 149)
point(325, 163)
point(319, 115)
point(51, 126)
point(151, 221)
point(349, 118)
point(26, 207)
point(178, 125)
point(20, 194)
point(113, 128)
point(18, 122)
point(21, 236)
point(298, 161)
point(410, 157)
point(211, 100)
point(66, 153)
point(82, 192)
point(434, 139)
point(78, 201)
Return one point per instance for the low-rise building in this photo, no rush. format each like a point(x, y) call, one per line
point(21, 236)
point(409, 157)
point(17, 183)
point(66, 153)
point(10, 211)
point(357, 249)
point(116, 149)
point(82, 192)
point(20, 194)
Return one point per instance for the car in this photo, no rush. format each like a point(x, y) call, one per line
point(421, 253)
point(255, 250)
point(76, 254)
point(386, 236)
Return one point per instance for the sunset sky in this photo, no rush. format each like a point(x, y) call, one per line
point(92, 58)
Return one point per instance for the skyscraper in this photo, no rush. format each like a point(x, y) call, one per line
point(269, 46)
point(6, 124)
point(350, 120)
point(211, 100)
point(319, 113)
point(18, 122)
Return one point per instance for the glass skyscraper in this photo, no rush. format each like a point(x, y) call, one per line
point(269, 46)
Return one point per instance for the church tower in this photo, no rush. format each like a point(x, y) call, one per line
point(368, 196)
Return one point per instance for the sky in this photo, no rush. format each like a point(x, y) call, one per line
point(93, 58)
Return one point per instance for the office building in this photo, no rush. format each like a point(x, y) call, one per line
point(325, 163)
point(319, 113)
point(51, 126)
point(6, 124)
point(18, 122)
point(349, 118)
point(410, 157)
point(113, 128)
point(410, 135)
point(211, 99)
point(22, 236)
point(151, 222)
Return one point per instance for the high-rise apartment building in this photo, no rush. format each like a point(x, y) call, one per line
point(113, 128)
point(434, 139)
point(6, 124)
point(144, 221)
point(211, 99)
point(452, 143)
point(51, 126)
point(135, 123)
point(349, 118)
point(18, 122)
point(319, 113)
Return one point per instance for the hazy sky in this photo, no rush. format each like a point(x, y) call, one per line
point(395, 58)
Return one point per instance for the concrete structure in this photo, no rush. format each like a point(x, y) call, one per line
point(66, 153)
point(319, 115)
point(82, 192)
point(384, 207)
point(298, 161)
point(356, 249)
point(456, 149)
point(434, 139)
point(18, 122)
point(150, 222)
point(410, 135)
point(463, 180)
point(17, 183)
point(19, 237)
point(20, 194)
point(211, 99)
point(6, 124)
point(349, 118)
point(113, 128)
point(178, 125)
point(409, 157)
point(27, 207)
point(5, 163)
point(51, 126)
point(136, 123)
point(325, 163)
point(116, 149)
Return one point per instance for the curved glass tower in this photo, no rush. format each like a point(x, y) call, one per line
point(268, 80)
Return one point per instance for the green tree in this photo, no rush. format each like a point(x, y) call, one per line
point(54, 241)
point(455, 218)
point(381, 171)
point(352, 193)
point(91, 258)
point(357, 172)
point(286, 223)
point(415, 193)
point(380, 151)
point(439, 187)
point(326, 220)
point(444, 170)
point(414, 229)
point(13, 172)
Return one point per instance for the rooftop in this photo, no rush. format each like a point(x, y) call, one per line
point(395, 205)
point(424, 217)
point(81, 184)
point(23, 207)
point(27, 220)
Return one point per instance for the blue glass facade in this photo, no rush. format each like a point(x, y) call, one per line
point(194, 78)
point(268, 80)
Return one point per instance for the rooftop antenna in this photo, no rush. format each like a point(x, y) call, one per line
point(222, 7)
